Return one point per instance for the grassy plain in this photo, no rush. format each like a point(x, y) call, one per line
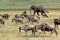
point(9, 31)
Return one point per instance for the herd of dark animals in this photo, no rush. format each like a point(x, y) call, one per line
point(31, 18)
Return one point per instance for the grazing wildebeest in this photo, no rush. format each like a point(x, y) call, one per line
point(5, 16)
point(40, 9)
point(2, 21)
point(56, 22)
point(45, 27)
point(32, 18)
point(24, 14)
point(26, 28)
point(35, 20)
point(18, 16)
point(20, 20)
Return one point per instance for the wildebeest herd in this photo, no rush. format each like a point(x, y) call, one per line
point(33, 19)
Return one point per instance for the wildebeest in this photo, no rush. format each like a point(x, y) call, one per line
point(32, 18)
point(24, 14)
point(21, 16)
point(20, 20)
point(26, 28)
point(2, 21)
point(40, 9)
point(35, 19)
point(56, 22)
point(18, 16)
point(5, 16)
point(45, 27)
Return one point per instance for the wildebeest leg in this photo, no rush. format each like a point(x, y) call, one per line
point(29, 20)
point(19, 29)
point(12, 20)
point(22, 22)
point(16, 21)
point(51, 32)
point(41, 13)
point(32, 21)
point(44, 33)
point(56, 26)
point(39, 33)
point(34, 13)
point(44, 29)
point(32, 34)
point(25, 33)
point(38, 13)
point(3, 22)
point(38, 22)
point(55, 31)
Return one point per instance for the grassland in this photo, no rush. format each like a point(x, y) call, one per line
point(9, 31)
point(25, 4)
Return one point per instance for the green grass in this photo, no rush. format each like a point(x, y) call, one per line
point(25, 4)
point(26, 9)
point(9, 31)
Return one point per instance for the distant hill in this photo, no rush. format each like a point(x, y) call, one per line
point(25, 4)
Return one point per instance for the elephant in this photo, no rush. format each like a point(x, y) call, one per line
point(38, 9)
